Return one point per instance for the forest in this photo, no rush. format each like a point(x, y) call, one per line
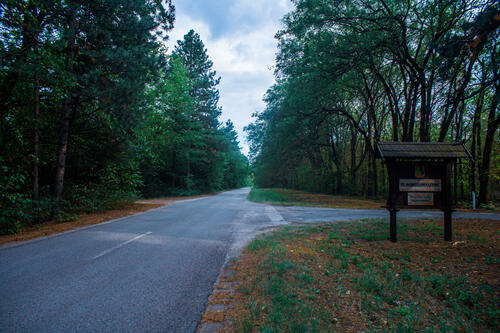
point(95, 110)
point(351, 73)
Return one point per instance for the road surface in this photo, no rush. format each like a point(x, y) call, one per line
point(151, 272)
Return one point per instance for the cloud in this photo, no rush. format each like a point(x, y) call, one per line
point(184, 23)
point(239, 37)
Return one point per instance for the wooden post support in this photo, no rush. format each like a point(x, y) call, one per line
point(447, 225)
point(391, 204)
point(447, 202)
point(393, 227)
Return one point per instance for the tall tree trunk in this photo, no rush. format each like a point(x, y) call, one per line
point(340, 187)
point(337, 160)
point(64, 120)
point(458, 169)
point(366, 179)
point(424, 111)
point(493, 122)
point(462, 183)
point(475, 46)
point(409, 112)
point(374, 175)
point(411, 127)
point(36, 137)
point(352, 170)
point(475, 136)
point(63, 147)
point(37, 27)
point(457, 100)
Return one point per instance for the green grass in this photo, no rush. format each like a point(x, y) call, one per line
point(287, 311)
point(349, 279)
point(268, 195)
point(282, 196)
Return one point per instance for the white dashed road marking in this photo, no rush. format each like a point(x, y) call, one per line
point(120, 245)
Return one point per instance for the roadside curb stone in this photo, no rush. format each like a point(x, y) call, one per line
point(215, 317)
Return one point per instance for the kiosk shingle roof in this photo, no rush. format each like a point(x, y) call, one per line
point(412, 150)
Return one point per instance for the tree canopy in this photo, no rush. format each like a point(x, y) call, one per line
point(94, 110)
point(352, 73)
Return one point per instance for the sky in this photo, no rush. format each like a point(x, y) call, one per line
point(239, 37)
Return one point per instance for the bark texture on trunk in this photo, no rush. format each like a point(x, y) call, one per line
point(65, 120)
point(36, 136)
point(493, 122)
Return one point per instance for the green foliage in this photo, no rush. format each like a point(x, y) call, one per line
point(139, 121)
point(115, 184)
point(14, 205)
point(267, 195)
point(182, 148)
point(350, 74)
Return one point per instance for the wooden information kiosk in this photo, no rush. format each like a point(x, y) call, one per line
point(419, 177)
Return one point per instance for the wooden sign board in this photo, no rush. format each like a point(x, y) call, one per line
point(420, 185)
point(419, 177)
point(417, 185)
point(420, 199)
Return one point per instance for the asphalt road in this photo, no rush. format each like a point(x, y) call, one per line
point(151, 272)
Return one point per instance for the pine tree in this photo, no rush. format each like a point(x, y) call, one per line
point(206, 160)
point(204, 78)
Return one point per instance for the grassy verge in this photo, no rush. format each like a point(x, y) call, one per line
point(286, 197)
point(348, 277)
point(300, 198)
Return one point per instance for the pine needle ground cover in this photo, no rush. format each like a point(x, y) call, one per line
point(300, 198)
point(347, 277)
